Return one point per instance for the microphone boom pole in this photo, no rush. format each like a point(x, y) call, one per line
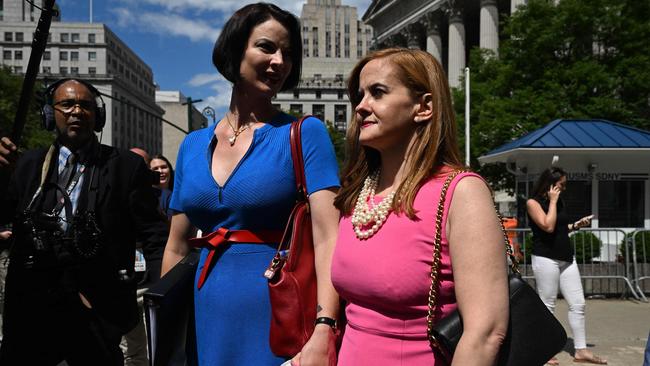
point(38, 47)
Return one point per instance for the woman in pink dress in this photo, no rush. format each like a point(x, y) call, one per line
point(402, 145)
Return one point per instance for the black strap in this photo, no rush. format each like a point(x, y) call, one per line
point(63, 195)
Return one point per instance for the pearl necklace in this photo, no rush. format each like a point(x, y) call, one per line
point(363, 215)
point(235, 132)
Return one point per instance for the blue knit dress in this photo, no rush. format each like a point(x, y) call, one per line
point(232, 308)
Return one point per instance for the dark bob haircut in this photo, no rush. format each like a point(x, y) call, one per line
point(233, 40)
point(548, 178)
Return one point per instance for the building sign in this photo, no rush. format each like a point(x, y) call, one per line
point(600, 176)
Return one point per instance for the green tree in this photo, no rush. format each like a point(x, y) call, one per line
point(576, 59)
point(10, 87)
point(338, 140)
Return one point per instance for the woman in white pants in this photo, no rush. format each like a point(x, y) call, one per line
point(553, 259)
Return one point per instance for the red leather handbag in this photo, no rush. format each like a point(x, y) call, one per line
point(292, 273)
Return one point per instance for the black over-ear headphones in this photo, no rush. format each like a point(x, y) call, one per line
point(47, 111)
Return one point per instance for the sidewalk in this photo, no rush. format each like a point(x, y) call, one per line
point(617, 330)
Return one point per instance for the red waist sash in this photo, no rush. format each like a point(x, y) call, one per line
point(223, 235)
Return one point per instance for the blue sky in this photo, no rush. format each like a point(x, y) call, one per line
point(175, 37)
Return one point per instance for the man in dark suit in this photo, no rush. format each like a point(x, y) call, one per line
point(77, 210)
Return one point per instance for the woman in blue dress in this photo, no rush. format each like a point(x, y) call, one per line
point(238, 175)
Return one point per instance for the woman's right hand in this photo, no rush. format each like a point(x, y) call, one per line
point(554, 193)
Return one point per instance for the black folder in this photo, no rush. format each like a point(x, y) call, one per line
point(169, 312)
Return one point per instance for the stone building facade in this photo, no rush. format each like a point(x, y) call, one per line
point(447, 29)
point(333, 41)
point(171, 101)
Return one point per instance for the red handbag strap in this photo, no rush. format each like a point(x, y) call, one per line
point(296, 157)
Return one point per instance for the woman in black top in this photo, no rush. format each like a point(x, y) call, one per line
point(553, 262)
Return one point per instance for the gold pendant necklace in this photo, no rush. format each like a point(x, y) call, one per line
point(235, 132)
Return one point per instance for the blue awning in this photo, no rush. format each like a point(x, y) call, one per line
point(573, 134)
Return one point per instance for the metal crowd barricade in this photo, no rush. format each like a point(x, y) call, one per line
point(603, 269)
point(640, 248)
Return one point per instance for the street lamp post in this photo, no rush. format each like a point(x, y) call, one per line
point(188, 102)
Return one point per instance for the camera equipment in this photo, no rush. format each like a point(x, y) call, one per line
point(52, 247)
point(155, 178)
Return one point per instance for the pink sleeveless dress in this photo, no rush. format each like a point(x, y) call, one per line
point(385, 281)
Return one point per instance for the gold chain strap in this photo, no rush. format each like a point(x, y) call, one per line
point(433, 290)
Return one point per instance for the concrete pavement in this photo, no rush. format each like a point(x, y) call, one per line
point(617, 330)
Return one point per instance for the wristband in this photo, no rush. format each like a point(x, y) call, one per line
point(326, 320)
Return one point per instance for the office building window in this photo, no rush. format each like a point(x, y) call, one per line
point(92, 70)
point(328, 44)
point(1, 9)
point(63, 70)
point(47, 55)
point(9, 37)
point(74, 56)
point(6, 55)
point(19, 37)
point(18, 55)
point(318, 110)
point(47, 69)
point(295, 109)
point(63, 56)
point(91, 38)
point(18, 69)
point(314, 42)
point(340, 116)
point(65, 37)
point(92, 56)
point(74, 70)
point(75, 37)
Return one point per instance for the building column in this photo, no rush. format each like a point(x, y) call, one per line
point(434, 40)
point(515, 3)
point(489, 36)
point(456, 63)
point(414, 33)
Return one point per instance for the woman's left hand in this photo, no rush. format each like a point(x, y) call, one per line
point(320, 350)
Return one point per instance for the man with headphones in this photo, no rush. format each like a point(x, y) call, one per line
point(77, 209)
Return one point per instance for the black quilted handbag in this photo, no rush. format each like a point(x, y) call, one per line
point(534, 334)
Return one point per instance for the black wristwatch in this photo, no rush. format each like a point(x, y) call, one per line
point(326, 320)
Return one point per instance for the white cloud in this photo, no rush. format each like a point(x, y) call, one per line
point(202, 79)
point(221, 88)
point(219, 102)
point(168, 24)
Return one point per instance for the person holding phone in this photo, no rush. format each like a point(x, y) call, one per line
point(553, 258)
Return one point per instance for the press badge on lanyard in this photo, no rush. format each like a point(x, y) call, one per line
point(140, 263)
